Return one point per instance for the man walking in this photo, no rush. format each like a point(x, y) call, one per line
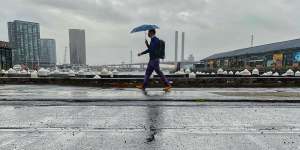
point(154, 61)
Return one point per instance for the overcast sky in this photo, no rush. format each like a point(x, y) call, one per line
point(211, 26)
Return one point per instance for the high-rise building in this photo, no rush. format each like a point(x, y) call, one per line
point(24, 38)
point(48, 52)
point(5, 56)
point(77, 47)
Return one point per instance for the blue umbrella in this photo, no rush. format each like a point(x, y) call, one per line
point(145, 27)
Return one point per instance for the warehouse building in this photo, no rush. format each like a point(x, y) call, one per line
point(278, 56)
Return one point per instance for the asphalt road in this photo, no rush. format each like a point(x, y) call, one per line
point(144, 123)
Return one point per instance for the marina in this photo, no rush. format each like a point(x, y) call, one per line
point(180, 79)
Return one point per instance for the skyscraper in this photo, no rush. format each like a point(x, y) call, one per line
point(77, 46)
point(24, 38)
point(48, 52)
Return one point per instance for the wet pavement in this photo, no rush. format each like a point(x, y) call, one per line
point(41, 117)
point(91, 94)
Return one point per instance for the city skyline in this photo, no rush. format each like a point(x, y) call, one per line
point(27, 46)
point(210, 26)
point(77, 46)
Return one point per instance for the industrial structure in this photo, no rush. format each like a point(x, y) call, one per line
point(182, 47)
point(191, 58)
point(5, 56)
point(176, 47)
point(77, 47)
point(278, 57)
point(24, 39)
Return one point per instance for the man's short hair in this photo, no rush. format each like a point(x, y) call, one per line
point(152, 31)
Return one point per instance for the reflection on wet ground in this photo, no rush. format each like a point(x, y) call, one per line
point(209, 126)
point(142, 122)
point(45, 92)
point(154, 119)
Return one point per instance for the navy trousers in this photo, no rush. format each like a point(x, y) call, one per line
point(153, 65)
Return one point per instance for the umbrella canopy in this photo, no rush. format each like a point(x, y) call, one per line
point(145, 27)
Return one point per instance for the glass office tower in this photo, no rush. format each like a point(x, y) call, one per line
point(48, 52)
point(24, 38)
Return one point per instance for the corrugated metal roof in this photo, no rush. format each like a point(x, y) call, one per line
point(258, 49)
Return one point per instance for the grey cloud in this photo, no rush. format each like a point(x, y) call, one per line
point(103, 10)
point(128, 11)
point(211, 25)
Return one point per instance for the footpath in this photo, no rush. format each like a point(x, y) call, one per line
point(40, 93)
